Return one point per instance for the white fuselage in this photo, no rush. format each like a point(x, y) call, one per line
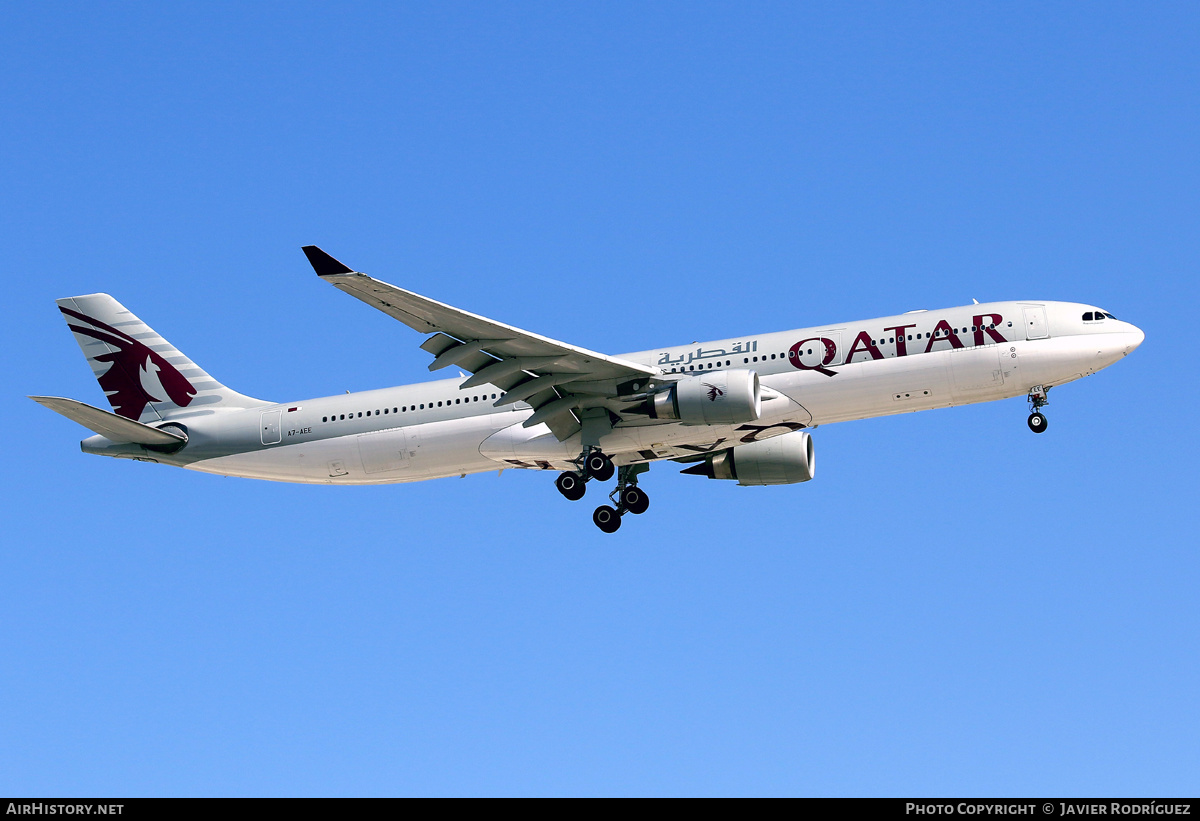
point(833, 373)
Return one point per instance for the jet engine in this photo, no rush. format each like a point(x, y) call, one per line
point(781, 460)
point(717, 398)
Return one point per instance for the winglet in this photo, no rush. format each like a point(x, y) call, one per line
point(322, 263)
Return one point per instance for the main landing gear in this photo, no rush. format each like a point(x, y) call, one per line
point(573, 483)
point(626, 498)
point(1037, 400)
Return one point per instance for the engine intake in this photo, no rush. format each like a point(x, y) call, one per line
point(780, 460)
point(717, 398)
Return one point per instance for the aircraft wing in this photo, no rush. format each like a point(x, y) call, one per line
point(558, 380)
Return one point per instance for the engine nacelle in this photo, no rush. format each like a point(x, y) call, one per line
point(780, 460)
point(717, 398)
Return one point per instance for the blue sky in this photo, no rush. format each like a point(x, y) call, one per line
point(953, 606)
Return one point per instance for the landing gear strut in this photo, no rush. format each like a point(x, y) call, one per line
point(1037, 400)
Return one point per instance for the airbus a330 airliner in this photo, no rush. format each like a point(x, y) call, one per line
point(737, 409)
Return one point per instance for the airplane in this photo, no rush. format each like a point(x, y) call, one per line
point(735, 409)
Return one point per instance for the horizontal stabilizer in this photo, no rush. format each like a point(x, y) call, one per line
point(109, 425)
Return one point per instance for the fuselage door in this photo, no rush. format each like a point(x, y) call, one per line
point(270, 427)
point(383, 451)
point(976, 369)
point(1035, 322)
point(839, 353)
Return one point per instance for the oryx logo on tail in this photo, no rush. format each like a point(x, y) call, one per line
point(138, 375)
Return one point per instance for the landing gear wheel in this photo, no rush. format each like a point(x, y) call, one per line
point(571, 485)
point(1037, 422)
point(635, 500)
point(607, 519)
point(599, 466)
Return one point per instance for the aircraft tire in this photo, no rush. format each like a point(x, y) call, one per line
point(635, 500)
point(607, 519)
point(571, 485)
point(600, 466)
point(1038, 422)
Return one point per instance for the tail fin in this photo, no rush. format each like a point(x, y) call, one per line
point(145, 377)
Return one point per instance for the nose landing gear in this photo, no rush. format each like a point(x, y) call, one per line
point(1037, 400)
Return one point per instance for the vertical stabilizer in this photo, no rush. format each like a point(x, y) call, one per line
point(145, 378)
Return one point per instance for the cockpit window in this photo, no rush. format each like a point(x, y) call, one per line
point(1087, 317)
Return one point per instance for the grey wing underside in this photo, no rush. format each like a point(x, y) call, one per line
point(559, 381)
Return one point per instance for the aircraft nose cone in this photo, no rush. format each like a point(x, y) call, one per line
point(1118, 343)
